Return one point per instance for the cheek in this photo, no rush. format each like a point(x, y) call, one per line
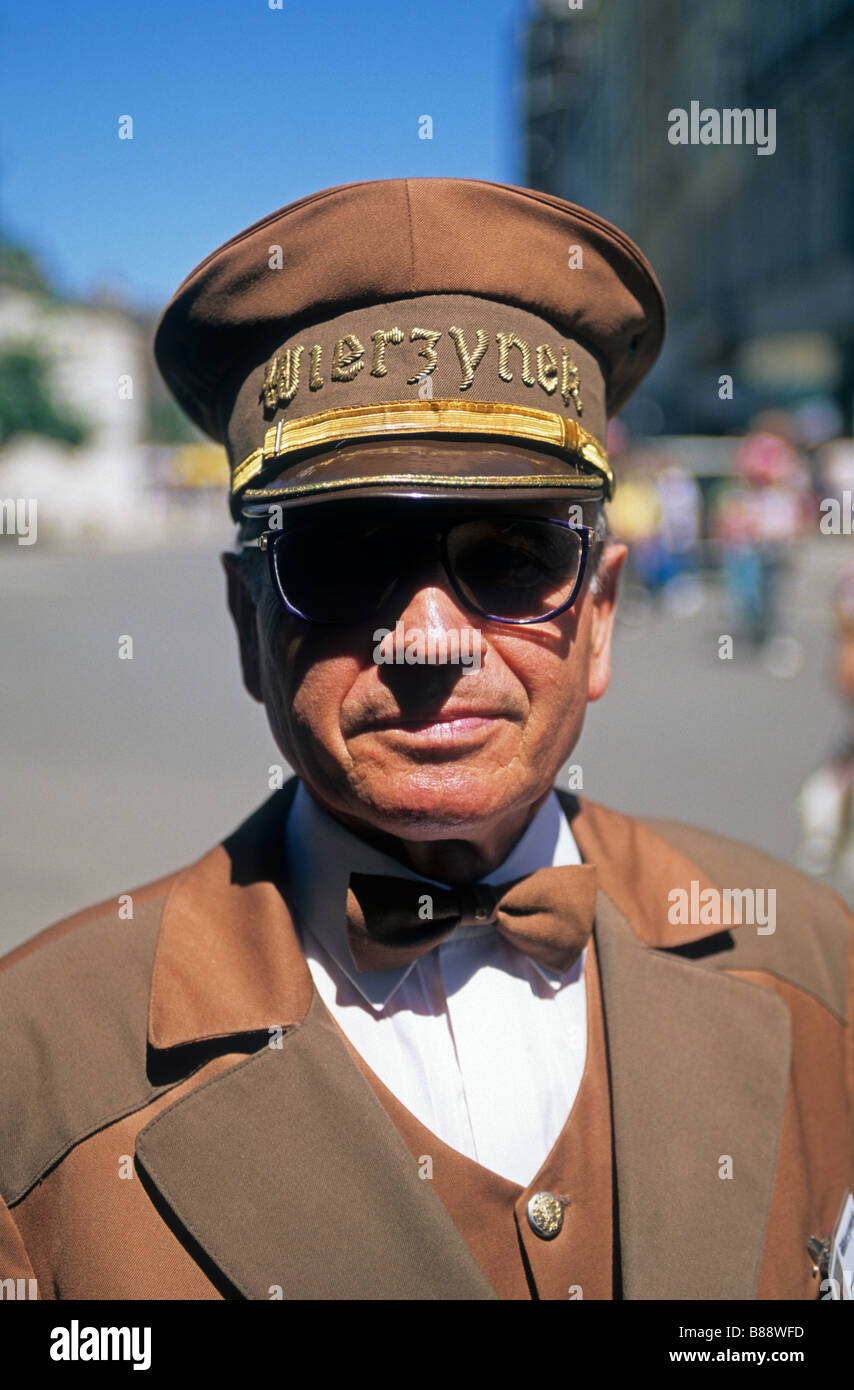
point(552, 669)
point(304, 685)
point(318, 691)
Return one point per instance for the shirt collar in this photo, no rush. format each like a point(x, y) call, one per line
point(321, 854)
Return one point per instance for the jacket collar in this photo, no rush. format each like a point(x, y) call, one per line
point(229, 960)
point(638, 870)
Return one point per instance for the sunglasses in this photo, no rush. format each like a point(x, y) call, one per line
point(510, 569)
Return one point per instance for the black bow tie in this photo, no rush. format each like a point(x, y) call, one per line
point(548, 915)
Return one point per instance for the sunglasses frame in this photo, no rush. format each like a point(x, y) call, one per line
point(269, 540)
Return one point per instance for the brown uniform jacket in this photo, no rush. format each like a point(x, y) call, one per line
point(180, 1118)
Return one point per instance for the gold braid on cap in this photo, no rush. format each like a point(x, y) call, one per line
point(391, 419)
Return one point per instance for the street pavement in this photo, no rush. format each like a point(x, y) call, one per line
point(116, 771)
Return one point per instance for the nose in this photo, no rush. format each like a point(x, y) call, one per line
point(425, 600)
point(425, 609)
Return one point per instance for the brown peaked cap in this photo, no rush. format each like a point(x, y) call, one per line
point(366, 243)
point(267, 344)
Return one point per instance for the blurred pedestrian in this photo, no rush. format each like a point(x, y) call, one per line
point(757, 524)
point(825, 800)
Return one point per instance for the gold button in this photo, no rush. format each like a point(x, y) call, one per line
point(545, 1215)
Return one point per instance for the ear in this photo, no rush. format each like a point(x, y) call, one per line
point(243, 610)
point(602, 622)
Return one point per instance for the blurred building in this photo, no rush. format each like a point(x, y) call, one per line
point(755, 251)
point(87, 430)
point(77, 450)
point(95, 361)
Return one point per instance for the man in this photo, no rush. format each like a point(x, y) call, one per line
point(423, 1027)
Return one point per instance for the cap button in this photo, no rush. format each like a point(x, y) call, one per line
point(545, 1215)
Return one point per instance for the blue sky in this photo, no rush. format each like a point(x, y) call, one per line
point(237, 109)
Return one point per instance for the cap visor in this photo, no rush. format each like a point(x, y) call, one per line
point(438, 469)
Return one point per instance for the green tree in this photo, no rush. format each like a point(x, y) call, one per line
point(25, 404)
point(20, 271)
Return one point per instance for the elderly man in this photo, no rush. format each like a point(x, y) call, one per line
point(425, 1027)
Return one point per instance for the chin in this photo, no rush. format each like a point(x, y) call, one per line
point(432, 803)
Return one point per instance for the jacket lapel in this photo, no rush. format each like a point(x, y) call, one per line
point(699, 1071)
point(699, 1067)
point(285, 1170)
point(288, 1173)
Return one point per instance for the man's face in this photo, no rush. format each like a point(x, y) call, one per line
point(428, 751)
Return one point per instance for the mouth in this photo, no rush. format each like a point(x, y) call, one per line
point(451, 728)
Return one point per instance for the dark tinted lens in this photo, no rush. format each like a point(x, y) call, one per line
point(515, 568)
point(338, 573)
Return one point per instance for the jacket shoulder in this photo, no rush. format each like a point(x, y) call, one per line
point(108, 908)
point(74, 1023)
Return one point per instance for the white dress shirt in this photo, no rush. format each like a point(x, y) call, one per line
point(482, 1045)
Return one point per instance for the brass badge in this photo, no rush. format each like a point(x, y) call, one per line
point(545, 1215)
